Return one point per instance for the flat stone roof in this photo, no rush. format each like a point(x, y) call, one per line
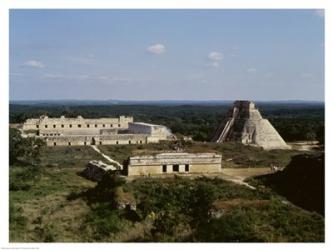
point(105, 137)
point(146, 124)
point(177, 155)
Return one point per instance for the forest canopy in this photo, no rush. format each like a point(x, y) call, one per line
point(294, 121)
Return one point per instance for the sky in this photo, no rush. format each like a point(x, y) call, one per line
point(167, 54)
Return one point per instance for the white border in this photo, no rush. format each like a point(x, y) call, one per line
point(5, 5)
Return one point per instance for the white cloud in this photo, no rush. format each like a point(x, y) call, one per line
point(320, 12)
point(215, 64)
point(251, 70)
point(34, 64)
point(215, 58)
point(157, 49)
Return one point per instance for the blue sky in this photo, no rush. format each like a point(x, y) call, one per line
point(167, 54)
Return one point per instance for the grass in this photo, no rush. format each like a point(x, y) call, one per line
point(68, 156)
point(239, 155)
point(49, 215)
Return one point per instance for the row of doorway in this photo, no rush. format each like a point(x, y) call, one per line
point(175, 168)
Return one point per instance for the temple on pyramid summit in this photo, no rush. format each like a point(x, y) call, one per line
point(245, 124)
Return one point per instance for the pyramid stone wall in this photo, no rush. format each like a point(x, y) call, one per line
point(245, 124)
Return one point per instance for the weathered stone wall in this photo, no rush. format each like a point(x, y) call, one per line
point(174, 163)
point(77, 125)
point(104, 131)
point(158, 169)
point(270, 138)
point(158, 131)
point(96, 140)
point(140, 128)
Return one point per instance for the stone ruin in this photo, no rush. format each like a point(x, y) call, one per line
point(95, 170)
point(245, 124)
point(79, 131)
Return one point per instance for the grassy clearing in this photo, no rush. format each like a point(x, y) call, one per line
point(44, 207)
point(68, 156)
point(239, 155)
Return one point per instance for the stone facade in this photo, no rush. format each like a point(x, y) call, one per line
point(245, 124)
point(75, 126)
point(104, 131)
point(156, 132)
point(174, 163)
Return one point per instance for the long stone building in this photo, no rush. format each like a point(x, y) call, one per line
point(245, 124)
point(174, 163)
point(79, 131)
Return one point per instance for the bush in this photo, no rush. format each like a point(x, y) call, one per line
point(22, 178)
point(25, 150)
point(106, 188)
point(237, 227)
point(102, 221)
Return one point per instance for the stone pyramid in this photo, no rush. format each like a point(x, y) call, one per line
point(245, 124)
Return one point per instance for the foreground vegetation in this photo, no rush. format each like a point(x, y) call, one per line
point(61, 206)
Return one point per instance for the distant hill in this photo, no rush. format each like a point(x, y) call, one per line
point(302, 182)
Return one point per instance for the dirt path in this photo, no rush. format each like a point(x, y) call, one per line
point(106, 157)
point(238, 175)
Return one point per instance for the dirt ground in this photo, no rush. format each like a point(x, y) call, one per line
point(305, 145)
point(238, 175)
point(244, 173)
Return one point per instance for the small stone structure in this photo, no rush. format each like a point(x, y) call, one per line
point(245, 124)
point(95, 170)
point(174, 163)
point(103, 131)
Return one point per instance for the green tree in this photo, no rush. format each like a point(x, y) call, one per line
point(24, 156)
point(26, 150)
point(105, 189)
